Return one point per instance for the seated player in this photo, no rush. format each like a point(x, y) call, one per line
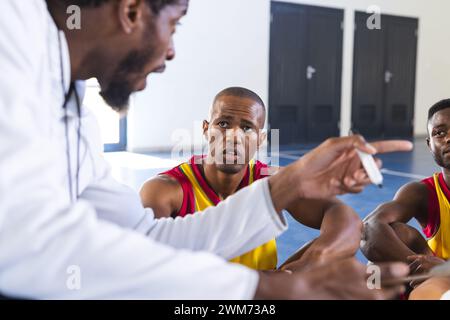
point(234, 133)
point(387, 237)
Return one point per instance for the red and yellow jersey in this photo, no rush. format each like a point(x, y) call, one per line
point(198, 195)
point(437, 229)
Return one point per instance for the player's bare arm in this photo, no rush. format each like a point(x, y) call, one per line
point(163, 194)
point(383, 227)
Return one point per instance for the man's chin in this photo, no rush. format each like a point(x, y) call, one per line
point(231, 168)
point(117, 99)
point(117, 96)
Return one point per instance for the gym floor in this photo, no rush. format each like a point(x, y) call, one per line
point(398, 169)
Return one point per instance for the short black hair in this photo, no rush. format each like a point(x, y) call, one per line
point(441, 105)
point(240, 93)
point(155, 5)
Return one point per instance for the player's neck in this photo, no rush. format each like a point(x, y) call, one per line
point(223, 184)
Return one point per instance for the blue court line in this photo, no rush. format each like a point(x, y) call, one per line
point(403, 174)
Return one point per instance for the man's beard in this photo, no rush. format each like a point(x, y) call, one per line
point(117, 94)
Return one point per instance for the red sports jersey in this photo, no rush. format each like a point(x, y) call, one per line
point(433, 221)
point(437, 229)
point(198, 195)
point(182, 176)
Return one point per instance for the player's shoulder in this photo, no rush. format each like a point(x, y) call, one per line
point(416, 192)
point(162, 180)
point(163, 194)
point(163, 185)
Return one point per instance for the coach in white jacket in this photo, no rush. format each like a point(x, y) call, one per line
point(55, 218)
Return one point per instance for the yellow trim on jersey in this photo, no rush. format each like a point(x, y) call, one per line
point(251, 169)
point(202, 201)
point(263, 257)
point(440, 242)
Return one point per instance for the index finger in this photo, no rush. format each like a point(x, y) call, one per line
point(392, 146)
point(339, 145)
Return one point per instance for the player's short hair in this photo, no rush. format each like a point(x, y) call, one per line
point(441, 105)
point(240, 93)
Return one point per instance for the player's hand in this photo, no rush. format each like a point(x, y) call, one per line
point(422, 264)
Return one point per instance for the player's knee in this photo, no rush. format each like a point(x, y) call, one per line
point(431, 289)
point(419, 293)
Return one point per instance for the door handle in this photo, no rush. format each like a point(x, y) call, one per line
point(388, 76)
point(310, 72)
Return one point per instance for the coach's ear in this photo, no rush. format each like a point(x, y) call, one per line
point(428, 142)
point(131, 15)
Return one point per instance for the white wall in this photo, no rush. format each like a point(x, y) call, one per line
point(226, 43)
